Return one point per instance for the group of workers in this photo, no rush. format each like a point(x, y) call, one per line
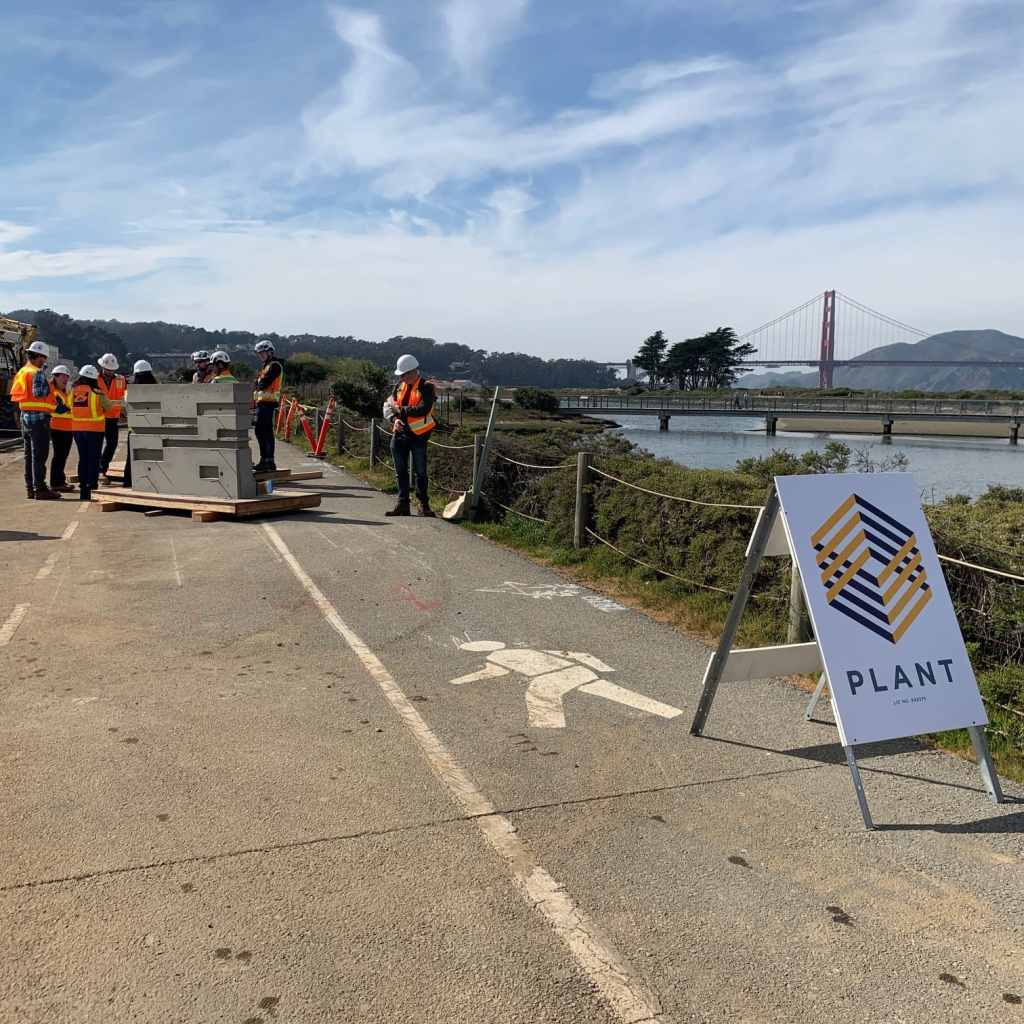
point(56, 412)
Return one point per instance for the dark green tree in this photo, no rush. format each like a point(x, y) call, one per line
point(651, 356)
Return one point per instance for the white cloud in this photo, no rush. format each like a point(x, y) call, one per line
point(476, 27)
point(153, 66)
point(645, 77)
point(381, 118)
point(11, 232)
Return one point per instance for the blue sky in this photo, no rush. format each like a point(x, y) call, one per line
point(558, 177)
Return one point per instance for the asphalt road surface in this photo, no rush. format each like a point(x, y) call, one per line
point(335, 767)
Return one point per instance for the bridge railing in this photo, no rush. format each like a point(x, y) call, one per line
point(758, 404)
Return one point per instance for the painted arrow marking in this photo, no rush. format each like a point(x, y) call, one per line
point(552, 675)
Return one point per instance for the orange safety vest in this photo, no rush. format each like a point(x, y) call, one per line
point(86, 411)
point(409, 394)
point(60, 420)
point(21, 391)
point(272, 392)
point(115, 391)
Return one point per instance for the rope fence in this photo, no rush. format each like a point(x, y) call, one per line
point(533, 465)
point(673, 497)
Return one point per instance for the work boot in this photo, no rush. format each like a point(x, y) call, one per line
point(64, 488)
point(29, 493)
point(84, 494)
point(47, 495)
point(425, 510)
point(401, 509)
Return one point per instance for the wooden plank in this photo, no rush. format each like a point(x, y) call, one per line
point(768, 662)
point(109, 506)
point(204, 517)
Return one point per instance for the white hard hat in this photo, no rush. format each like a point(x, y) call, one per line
point(199, 355)
point(89, 372)
point(37, 348)
point(108, 361)
point(141, 366)
point(263, 345)
point(220, 356)
point(405, 364)
point(60, 369)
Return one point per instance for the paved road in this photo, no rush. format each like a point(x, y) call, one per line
point(240, 785)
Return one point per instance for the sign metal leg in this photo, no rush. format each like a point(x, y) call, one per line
point(859, 787)
point(822, 680)
point(713, 676)
point(988, 772)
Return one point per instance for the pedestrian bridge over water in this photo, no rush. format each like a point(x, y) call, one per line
point(883, 411)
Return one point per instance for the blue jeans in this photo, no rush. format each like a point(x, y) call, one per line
point(403, 445)
point(89, 444)
point(35, 433)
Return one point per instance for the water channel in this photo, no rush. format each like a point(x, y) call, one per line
point(939, 465)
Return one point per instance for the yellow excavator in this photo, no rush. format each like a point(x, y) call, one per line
point(15, 337)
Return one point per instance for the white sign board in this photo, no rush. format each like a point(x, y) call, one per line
point(882, 615)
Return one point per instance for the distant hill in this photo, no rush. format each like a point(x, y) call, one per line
point(981, 345)
point(84, 340)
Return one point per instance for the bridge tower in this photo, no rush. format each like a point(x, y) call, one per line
point(826, 365)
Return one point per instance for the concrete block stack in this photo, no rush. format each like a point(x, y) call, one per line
point(191, 439)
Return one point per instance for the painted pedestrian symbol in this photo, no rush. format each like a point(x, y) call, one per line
point(552, 675)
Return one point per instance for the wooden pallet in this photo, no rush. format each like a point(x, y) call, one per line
point(116, 474)
point(205, 510)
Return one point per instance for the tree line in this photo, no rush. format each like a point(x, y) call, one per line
point(83, 340)
point(709, 362)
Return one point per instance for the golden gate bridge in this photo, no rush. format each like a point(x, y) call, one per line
point(833, 330)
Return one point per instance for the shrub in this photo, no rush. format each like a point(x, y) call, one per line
point(534, 398)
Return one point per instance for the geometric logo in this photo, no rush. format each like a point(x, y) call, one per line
point(871, 568)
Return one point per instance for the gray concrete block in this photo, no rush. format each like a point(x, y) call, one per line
point(191, 439)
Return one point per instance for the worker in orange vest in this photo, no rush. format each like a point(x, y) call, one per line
point(114, 387)
point(31, 390)
point(266, 396)
point(411, 412)
point(89, 417)
point(60, 428)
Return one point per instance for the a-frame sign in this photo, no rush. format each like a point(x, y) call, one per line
point(888, 643)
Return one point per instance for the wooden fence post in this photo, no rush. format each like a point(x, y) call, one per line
point(579, 536)
point(798, 629)
point(373, 443)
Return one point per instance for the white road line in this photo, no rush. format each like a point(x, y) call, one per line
point(629, 997)
point(174, 555)
point(10, 627)
point(47, 566)
point(69, 530)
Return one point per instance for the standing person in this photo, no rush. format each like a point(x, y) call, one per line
point(113, 386)
point(412, 406)
point(31, 390)
point(142, 373)
point(89, 407)
point(266, 396)
point(222, 368)
point(60, 428)
point(201, 361)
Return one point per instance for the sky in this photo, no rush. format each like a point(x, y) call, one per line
point(559, 177)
